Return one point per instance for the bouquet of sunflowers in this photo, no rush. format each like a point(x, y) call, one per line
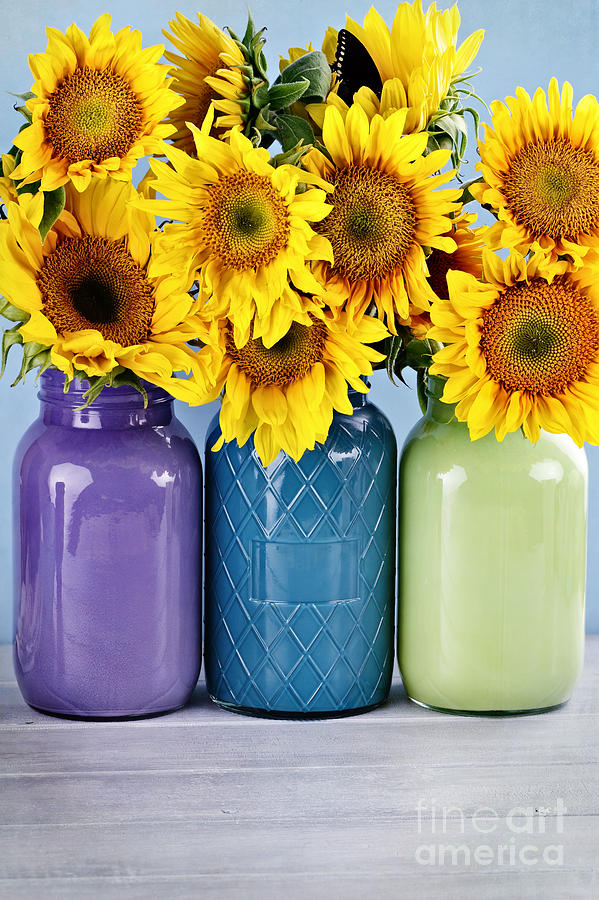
point(297, 233)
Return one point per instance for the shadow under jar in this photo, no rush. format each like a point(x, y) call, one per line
point(300, 572)
point(107, 505)
point(492, 567)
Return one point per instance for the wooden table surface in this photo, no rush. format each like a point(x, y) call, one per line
point(208, 804)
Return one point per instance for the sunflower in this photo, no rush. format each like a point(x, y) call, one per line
point(8, 188)
point(88, 295)
point(209, 71)
point(243, 226)
point(286, 394)
point(417, 61)
point(467, 257)
point(522, 347)
point(329, 46)
point(97, 107)
point(385, 212)
point(540, 168)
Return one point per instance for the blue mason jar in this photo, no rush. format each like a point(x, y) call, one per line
point(300, 572)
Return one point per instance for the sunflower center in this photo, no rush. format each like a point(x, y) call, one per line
point(371, 226)
point(290, 359)
point(93, 115)
point(540, 337)
point(552, 188)
point(439, 264)
point(93, 282)
point(246, 220)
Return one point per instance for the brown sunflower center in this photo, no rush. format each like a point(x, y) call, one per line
point(93, 115)
point(93, 282)
point(552, 188)
point(439, 264)
point(290, 359)
point(371, 226)
point(540, 337)
point(246, 221)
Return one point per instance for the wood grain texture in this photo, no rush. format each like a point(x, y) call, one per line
point(207, 803)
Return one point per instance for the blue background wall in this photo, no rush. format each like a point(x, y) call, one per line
point(526, 43)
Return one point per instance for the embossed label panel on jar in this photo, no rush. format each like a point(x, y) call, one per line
point(321, 572)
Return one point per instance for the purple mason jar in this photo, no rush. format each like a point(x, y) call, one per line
point(107, 504)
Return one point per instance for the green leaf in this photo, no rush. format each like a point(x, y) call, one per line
point(34, 355)
point(466, 195)
point(439, 141)
point(250, 31)
point(421, 384)
point(53, 206)
point(452, 125)
point(394, 349)
point(12, 313)
point(32, 188)
point(418, 354)
point(118, 377)
point(281, 96)
point(26, 96)
point(260, 95)
point(23, 109)
point(265, 121)
point(315, 68)
point(291, 157)
point(291, 130)
point(10, 337)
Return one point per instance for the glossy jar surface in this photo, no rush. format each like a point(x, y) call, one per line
point(300, 572)
point(492, 567)
point(107, 530)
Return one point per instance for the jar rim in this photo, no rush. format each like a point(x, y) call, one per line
point(52, 390)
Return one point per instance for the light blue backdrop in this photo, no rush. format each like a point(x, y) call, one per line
point(526, 43)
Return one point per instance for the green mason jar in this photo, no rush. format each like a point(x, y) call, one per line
point(492, 562)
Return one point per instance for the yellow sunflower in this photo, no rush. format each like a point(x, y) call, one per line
point(97, 107)
point(243, 228)
point(329, 46)
point(285, 394)
point(467, 257)
point(8, 188)
point(540, 168)
point(88, 293)
point(385, 211)
point(417, 60)
point(209, 71)
point(522, 347)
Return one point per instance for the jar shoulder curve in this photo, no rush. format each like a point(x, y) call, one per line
point(137, 454)
point(433, 444)
point(366, 418)
point(374, 417)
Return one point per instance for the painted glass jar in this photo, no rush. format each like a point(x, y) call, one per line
point(300, 572)
point(492, 567)
point(107, 504)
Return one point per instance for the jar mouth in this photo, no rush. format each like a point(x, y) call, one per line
point(52, 383)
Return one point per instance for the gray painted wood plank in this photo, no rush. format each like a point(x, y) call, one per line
point(298, 848)
point(203, 802)
point(428, 885)
point(369, 794)
point(260, 745)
